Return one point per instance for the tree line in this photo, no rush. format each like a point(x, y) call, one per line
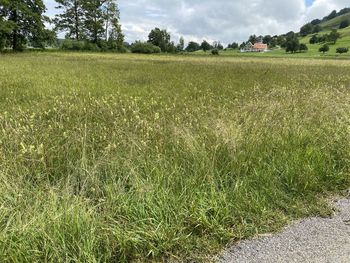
point(87, 23)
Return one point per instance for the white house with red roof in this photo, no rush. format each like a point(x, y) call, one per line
point(257, 47)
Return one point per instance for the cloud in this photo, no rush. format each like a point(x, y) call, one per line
point(222, 20)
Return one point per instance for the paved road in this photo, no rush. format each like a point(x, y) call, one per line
point(319, 240)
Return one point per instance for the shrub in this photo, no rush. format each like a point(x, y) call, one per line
point(215, 52)
point(303, 47)
point(342, 50)
point(69, 44)
point(89, 46)
point(144, 48)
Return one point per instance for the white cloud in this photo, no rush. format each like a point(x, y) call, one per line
point(224, 20)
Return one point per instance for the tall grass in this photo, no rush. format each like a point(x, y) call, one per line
point(119, 158)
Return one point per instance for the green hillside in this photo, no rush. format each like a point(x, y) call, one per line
point(335, 22)
point(327, 26)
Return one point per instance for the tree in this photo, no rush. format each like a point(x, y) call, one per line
point(193, 46)
point(94, 19)
point(306, 29)
point(267, 40)
point(180, 47)
point(332, 15)
point(253, 39)
point(292, 43)
point(281, 41)
point(159, 38)
point(70, 19)
point(313, 39)
point(334, 36)
point(205, 46)
point(22, 21)
point(344, 24)
point(344, 11)
point(317, 29)
point(234, 45)
point(242, 45)
point(113, 31)
point(215, 52)
point(6, 27)
point(341, 50)
point(316, 22)
point(217, 45)
point(324, 48)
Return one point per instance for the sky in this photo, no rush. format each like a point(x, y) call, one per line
point(217, 20)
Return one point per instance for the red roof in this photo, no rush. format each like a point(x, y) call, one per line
point(260, 46)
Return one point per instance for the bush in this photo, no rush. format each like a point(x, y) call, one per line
point(342, 50)
point(89, 46)
point(303, 47)
point(215, 52)
point(69, 44)
point(144, 48)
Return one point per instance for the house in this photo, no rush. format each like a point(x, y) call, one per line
point(257, 47)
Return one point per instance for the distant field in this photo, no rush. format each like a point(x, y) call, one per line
point(119, 158)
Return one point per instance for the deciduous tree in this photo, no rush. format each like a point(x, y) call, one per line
point(22, 21)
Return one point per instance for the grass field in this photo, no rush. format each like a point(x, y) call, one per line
point(119, 158)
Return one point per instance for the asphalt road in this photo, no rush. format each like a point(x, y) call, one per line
point(318, 240)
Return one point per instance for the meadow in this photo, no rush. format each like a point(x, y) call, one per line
point(132, 158)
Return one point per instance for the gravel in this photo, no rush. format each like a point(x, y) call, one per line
point(309, 240)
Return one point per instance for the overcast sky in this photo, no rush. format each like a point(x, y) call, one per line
point(224, 20)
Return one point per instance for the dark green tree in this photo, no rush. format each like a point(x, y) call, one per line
point(234, 45)
point(192, 47)
point(6, 27)
point(292, 43)
point(316, 22)
point(205, 46)
point(317, 29)
point(324, 48)
point(306, 29)
point(332, 15)
point(94, 22)
point(253, 39)
point(70, 19)
point(344, 11)
point(341, 50)
point(159, 38)
point(267, 40)
point(334, 36)
point(344, 24)
point(281, 41)
point(22, 21)
point(313, 39)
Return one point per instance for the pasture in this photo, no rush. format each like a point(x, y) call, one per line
point(120, 158)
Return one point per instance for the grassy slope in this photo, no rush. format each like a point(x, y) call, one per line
point(111, 158)
point(335, 22)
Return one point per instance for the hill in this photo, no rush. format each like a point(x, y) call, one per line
point(335, 22)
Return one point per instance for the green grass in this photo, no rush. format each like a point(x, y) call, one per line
point(119, 158)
